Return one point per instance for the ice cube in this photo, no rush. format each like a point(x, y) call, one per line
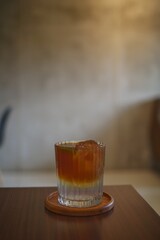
point(86, 144)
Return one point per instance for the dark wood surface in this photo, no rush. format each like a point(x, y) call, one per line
point(23, 216)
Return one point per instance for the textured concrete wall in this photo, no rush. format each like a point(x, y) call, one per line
point(77, 70)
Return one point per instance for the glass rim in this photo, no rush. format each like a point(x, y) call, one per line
point(65, 142)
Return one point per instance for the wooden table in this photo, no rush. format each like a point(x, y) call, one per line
point(23, 216)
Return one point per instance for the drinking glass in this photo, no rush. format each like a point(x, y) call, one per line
point(80, 168)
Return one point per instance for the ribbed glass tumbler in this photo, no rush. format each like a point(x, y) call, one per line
point(80, 168)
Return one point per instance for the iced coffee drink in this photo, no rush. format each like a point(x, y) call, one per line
point(80, 167)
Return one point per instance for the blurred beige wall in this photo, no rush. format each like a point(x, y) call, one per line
point(78, 70)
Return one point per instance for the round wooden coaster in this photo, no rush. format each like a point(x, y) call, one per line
point(51, 203)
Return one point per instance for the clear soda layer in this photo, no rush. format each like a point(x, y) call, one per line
point(80, 167)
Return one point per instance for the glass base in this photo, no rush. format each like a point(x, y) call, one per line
point(79, 203)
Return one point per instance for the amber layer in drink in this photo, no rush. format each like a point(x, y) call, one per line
point(79, 162)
